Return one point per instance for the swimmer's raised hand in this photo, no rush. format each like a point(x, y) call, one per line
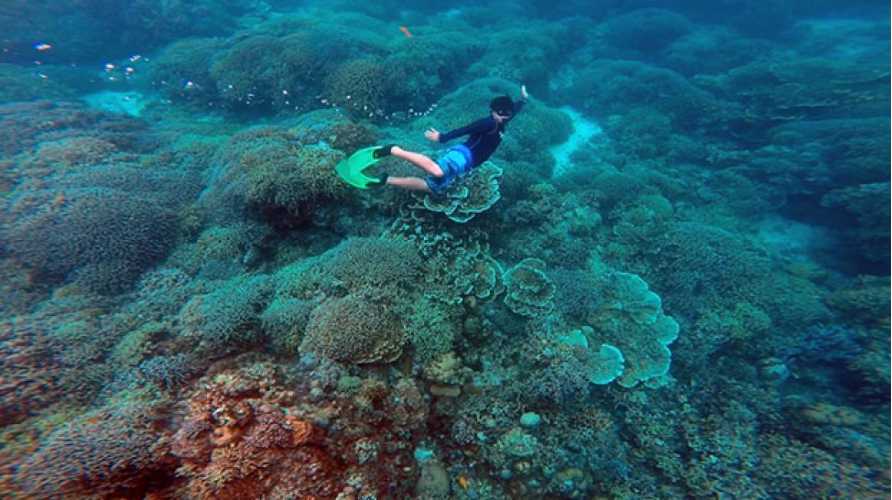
point(432, 134)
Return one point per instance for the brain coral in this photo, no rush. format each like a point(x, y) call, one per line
point(528, 290)
point(353, 329)
point(464, 200)
point(630, 317)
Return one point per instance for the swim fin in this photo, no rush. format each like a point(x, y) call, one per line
point(352, 169)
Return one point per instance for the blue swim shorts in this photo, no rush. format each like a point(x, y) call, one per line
point(455, 164)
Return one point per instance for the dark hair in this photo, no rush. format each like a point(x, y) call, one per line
point(502, 105)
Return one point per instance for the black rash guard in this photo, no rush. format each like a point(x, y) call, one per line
point(485, 135)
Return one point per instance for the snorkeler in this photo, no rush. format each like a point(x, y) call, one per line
point(484, 136)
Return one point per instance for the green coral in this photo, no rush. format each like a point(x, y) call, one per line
point(432, 326)
point(458, 266)
point(283, 322)
point(137, 345)
point(528, 290)
point(474, 194)
point(630, 316)
point(602, 366)
point(389, 266)
point(479, 277)
point(865, 300)
point(227, 318)
point(186, 61)
point(268, 169)
point(360, 86)
point(517, 444)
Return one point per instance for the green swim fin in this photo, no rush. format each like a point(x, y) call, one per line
point(352, 168)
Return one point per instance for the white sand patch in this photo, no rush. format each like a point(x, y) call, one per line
point(792, 239)
point(124, 103)
point(583, 130)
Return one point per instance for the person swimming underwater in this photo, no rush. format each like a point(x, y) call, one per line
point(484, 136)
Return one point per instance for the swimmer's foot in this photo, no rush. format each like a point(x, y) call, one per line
point(383, 151)
point(379, 181)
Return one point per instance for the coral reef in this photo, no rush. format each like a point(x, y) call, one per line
point(354, 329)
point(669, 281)
point(109, 451)
point(92, 231)
point(268, 171)
point(528, 290)
point(630, 316)
point(477, 194)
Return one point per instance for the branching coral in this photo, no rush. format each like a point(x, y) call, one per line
point(283, 323)
point(185, 61)
point(647, 30)
point(431, 327)
point(267, 170)
point(865, 300)
point(607, 87)
point(227, 318)
point(85, 227)
point(361, 86)
point(110, 451)
point(31, 378)
point(353, 329)
point(793, 468)
point(389, 266)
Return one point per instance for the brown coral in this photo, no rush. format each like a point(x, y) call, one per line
point(353, 329)
point(238, 442)
point(301, 430)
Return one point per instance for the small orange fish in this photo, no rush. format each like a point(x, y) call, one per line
point(464, 482)
point(406, 31)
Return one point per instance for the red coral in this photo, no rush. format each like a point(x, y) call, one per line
point(246, 436)
point(29, 379)
point(239, 442)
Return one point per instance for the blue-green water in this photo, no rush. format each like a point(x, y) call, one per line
point(670, 280)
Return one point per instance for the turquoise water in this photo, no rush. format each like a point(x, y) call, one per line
point(670, 280)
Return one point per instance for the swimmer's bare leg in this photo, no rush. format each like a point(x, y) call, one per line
point(412, 183)
point(419, 160)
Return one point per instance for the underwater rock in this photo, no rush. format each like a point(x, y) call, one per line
point(433, 483)
point(530, 420)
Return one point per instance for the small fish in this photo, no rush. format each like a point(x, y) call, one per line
point(42, 47)
point(406, 31)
